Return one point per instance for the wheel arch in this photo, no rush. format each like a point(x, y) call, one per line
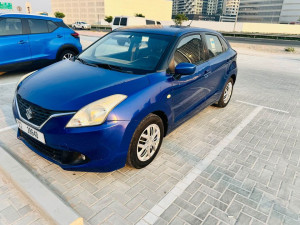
point(66, 47)
point(233, 76)
point(164, 118)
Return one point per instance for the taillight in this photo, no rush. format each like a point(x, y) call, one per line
point(75, 35)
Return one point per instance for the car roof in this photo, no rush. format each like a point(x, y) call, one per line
point(165, 30)
point(28, 16)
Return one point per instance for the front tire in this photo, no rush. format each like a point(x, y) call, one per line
point(145, 142)
point(226, 94)
point(66, 54)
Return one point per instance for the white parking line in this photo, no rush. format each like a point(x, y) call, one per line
point(266, 107)
point(8, 83)
point(152, 216)
point(8, 128)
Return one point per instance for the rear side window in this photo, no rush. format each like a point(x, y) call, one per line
point(190, 50)
point(38, 26)
point(117, 21)
point(123, 22)
point(158, 23)
point(10, 26)
point(51, 26)
point(214, 45)
point(150, 22)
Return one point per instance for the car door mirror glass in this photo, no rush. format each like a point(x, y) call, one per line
point(185, 69)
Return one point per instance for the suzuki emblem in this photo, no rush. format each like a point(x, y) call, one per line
point(29, 113)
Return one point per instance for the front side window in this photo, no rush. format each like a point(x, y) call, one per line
point(10, 26)
point(130, 51)
point(214, 45)
point(190, 50)
point(117, 21)
point(38, 26)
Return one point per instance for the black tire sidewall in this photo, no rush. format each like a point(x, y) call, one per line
point(221, 102)
point(132, 158)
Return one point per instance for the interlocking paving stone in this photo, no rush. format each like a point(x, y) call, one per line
point(255, 179)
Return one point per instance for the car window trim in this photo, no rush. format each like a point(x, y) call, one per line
point(23, 33)
point(223, 49)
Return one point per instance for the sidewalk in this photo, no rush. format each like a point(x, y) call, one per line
point(15, 208)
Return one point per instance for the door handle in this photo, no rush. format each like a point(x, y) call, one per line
point(206, 72)
point(59, 36)
point(22, 42)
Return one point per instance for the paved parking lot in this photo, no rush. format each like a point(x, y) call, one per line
point(237, 165)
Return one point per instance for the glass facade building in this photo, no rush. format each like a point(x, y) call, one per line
point(260, 11)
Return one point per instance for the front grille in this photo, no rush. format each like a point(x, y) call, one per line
point(55, 154)
point(60, 156)
point(39, 114)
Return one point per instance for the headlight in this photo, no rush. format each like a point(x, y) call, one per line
point(25, 76)
point(96, 112)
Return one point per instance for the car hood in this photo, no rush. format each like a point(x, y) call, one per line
point(68, 85)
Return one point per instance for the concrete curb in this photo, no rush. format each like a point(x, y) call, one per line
point(42, 196)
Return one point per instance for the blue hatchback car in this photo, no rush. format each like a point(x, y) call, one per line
point(116, 101)
point(27, 40)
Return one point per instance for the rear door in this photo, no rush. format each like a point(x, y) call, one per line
point(218, 61)
point(45, 39)
point(14, 46)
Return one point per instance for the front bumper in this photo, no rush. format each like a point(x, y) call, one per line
point(105, 146)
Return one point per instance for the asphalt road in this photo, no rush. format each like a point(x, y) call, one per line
point(262, 41)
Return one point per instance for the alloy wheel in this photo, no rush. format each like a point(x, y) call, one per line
point(148, 142)
point(227, 92)
point(67, 56)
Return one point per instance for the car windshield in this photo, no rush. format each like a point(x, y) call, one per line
point(83, 22)
point(130, 52)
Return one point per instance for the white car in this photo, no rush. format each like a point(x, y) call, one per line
point(81, 25)
point(122, 21)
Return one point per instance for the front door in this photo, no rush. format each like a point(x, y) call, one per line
point(190, 91)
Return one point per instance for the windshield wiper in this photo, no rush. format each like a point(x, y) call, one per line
point(85, 62)
point(112, 67)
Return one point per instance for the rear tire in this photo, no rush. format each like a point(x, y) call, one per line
point(66, 54)
point(145, 142)
point(226, 94)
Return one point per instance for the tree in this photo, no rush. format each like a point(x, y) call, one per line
point(179, 19)
point(108, 19)
point(59, 15)
point(139, 15)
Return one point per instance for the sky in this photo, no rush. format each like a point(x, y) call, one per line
point(37, 5)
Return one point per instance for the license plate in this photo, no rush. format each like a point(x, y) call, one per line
point(31, 131)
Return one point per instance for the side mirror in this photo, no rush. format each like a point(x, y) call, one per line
point(184, 69)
